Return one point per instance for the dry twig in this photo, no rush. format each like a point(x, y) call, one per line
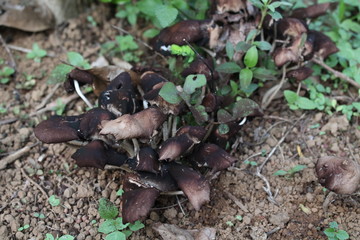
point(236, 201)
point(12, 61)
point(15, 155)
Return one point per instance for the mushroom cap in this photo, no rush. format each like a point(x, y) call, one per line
point(150, 79)
point(91, 120)
point(136, 204)
point(192, 183)
point(292, 27)
point(338, 174)
point(300, 74)
point(82, 76)
point(146, 160)
point(97, 154)
point(213, 156)
point(58, 129)
point(175, 147)
point(201, 66)
point(313, 11)
point(323, 45)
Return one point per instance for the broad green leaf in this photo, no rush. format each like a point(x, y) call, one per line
point(257, 3)
point(136, 226)
point(149, 7)
point(228, 67)
point(275, 15)
point(75, 59)
point(333, 225)
point(119, 224)
point(58, 75)
point(150, 33)
point(305, 103)
point(54, 200)
point(251, 57)
point(223, 128)
point(66, 237)
point(246, 76)
point(224, 116)
point(264, 74)
point(342, 235)
point(199, 114)
point(7, 71)
point(229, 50)
point(127, 233)
point(49, 236)
point(107, 209)
point(166, 15)
point(297, 168)
point(280, 173)
point(126, 43)
point(242, 47)
point(263, 45)
point(116, 236)
point(120, 192)
point(192, 82)
point(243, 108)
point(251, 35)
point(290, 96)
point(169, 93)
point(108, 226)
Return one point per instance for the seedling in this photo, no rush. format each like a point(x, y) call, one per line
point(49, 236)
point(291, 172)
point(39, 215)
point(28, 84)
point(23, 227)
point(334, 233)
point(251, 163)
point(120, 192)
point(5, 74)
point(36, 53)
point(54, 201)
point(185, 51)
point(3, 109)
point(113, 226)
point(91, 20)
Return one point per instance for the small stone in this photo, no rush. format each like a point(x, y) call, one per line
point(279, 219)
point(68, 192)
point(154, 216)
point(19, 235)
point(246, 219)
point(309, 197)
point(170, 213)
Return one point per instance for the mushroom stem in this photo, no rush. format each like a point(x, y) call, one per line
point(173, 193)
point(78, 91)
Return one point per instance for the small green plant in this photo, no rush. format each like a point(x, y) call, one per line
point(36, 53)
point(23, 227)
point(54, 201)
point(49, 236)
point(237, 217)
point(251, 163)
point(124, 45)
point(91, 20)
point(3, 109)
point(39, 215)
point(120, 192)
point(113, 226)
point(291, 172)
point(334, 233)
point(5, 74)
point(28, 84)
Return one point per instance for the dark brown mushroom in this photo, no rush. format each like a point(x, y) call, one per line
point(211, 155)
point(291, 27)
point(97, 154)
point(193, 31)
point(300, 73)
point(142, 124)
point(201, 66)
point(82, 76)
point(323, 46)
point(136, 204)
point(192, 183)
point(162, 181)
point(213, 102)
point(58, 129)
point(182, 143)
point(313, 11)
point(90, 122)
point(146, 160)
point(340, 175)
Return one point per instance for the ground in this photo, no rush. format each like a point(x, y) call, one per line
point(45, 170)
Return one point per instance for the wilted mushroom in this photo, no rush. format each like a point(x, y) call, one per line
point(300, 73)
point(313, 11)
point(146, 160)
point(90, 122)
point(97, 154)
point(340, 175)
point(142, 124)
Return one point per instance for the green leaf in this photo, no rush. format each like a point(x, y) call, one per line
point(169, 93)
point(7, 71)
point(136, 226)
point(242, 47)
point(275, 15)
point(280, 173)
point(263, 45)
point(264, 74)
point(66, 237)
point(342, 235)
point(116, 236)
point(166, 15)
point(228, 67)
point(223, 128)
point(243, 108)
point(108, 226)
point(77, 60)
point(305, 103)
point(230, 50)
point(127, 233)
point(290, 96)
point(148, 7)
point(107, 209)
point(49, 236)
point(246, 76)
point(257, 3)
point(297, 168)
point(224, 116)
point(58, 75)
point(330, 232)
point(192, 82)
point(251, 35)
point(333, 225)
point(150, 33)
point(251, 57)
point(119, 224)
point(54, 201)
point(120, 192)
point(126, 43)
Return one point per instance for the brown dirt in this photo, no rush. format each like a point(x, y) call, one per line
point(51, 167)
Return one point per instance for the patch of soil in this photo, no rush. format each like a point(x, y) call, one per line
point(45, 170)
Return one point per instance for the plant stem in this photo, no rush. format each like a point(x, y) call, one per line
point(78, 91)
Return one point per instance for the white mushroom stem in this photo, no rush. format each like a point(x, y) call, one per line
point(78, 91)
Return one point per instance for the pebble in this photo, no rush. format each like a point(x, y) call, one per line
point(279, 219)
point(68, 192)
point(170, 213)
point(246, 219)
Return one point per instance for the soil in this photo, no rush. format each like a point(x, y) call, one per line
point(45, 170)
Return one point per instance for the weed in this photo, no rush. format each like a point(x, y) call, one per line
point(334, 233)
point(28, 84)
point(291, 172)
point(91, 20)
point(3, 109)
point(113, 225)
point(49, 236)
point(23, 227)
point(36, 53)
point(120, 192)
point(54, 201)
point(5, 74)
point(39, 215)
point(251, 163)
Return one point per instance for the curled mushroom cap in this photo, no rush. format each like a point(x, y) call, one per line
point(139, 125)
point(97, 154)
point(195, 186)
point(90, 122)
point(323, 46)
point(291, 27)
point(58, 129)
point(193, 31)
point(338, 174)
point(213, 156)
point(82, 76)
point(136, 204)
point(201, 66)
point(300, 74)
point(162, 181)
point(313, 11)
point(146, 160)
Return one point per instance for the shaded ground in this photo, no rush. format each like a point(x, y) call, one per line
point(236, 192)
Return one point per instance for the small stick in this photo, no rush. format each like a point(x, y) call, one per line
point(26, 50)
point(82, 96)
point(50, 106)
point(236, 201)
point(266, 102)
point(12, 61)
point(47, 98)
point(8, 121)
point(179, 203)
point(336, 73)
point(15, 155)
point(33, 182)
